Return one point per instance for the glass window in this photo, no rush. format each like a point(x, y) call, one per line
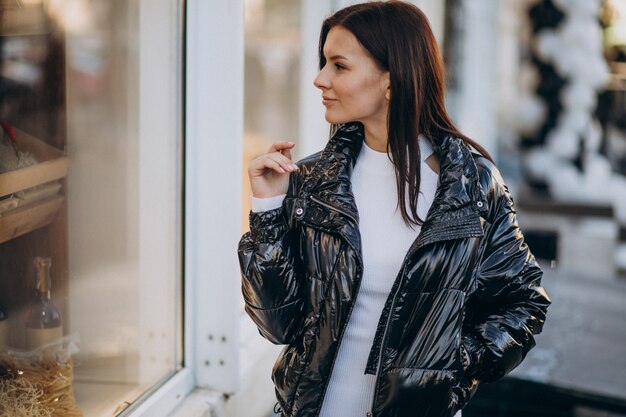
point(90, 202)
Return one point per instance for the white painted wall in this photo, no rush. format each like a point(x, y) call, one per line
point(435, 10)
point(215, 65)
point(313, 127)
point(477, 96)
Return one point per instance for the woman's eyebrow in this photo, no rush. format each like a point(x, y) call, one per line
point(336, 57)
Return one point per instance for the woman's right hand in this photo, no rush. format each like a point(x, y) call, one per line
point(269, 173)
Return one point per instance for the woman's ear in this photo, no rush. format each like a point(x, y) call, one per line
point(386, 84)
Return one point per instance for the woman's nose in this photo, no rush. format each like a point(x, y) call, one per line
point(321, 81)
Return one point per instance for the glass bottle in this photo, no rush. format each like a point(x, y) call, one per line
point(43, 320)
point(4, 327)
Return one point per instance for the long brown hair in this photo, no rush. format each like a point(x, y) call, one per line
point(399, 38)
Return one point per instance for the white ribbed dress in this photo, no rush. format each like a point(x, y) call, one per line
point(385, 240)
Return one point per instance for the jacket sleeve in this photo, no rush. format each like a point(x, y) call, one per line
point(508, 305)
point(271, 276)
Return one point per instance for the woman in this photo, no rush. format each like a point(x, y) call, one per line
point(391, 263)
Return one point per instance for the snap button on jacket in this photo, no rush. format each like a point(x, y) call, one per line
point(468, 287)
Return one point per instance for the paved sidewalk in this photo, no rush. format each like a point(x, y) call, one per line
point(583, 344)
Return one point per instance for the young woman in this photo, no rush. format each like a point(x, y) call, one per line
point(391, 263)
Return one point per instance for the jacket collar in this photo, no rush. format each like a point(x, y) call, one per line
point(330, 204)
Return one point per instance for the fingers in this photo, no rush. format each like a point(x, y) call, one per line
point(283, 162)
point(279, 146)
point(275, 161)
point(282, 147)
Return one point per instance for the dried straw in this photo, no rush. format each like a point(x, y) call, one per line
point(48, 380)
point(20, 398)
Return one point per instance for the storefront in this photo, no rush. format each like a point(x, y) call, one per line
point(113, 243)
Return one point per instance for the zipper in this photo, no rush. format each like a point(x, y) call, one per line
point(356, 293)
point(410, 253)
point(384, 340)
point(382, 345)
point(393, 301)
point(334, 208)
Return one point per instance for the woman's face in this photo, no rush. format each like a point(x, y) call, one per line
point(353, 87)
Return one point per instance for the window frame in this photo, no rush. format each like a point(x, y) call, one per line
point(212, 57)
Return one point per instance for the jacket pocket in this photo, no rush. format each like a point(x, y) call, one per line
point(420, 392)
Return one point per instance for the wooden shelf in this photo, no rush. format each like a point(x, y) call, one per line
point(53, 165)
point(32, 195)
point(29, 217)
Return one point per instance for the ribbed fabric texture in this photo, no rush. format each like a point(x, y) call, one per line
point(385, 240)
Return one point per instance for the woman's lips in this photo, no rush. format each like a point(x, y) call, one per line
point(326, 101)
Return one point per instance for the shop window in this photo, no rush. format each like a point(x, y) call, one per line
point(90, 203)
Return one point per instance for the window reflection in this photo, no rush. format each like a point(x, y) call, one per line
point(70, 99)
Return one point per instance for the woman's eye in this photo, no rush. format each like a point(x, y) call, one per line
point(339, 66)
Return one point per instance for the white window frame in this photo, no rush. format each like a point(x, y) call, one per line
point(213, 148)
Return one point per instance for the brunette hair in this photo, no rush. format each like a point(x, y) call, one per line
point(399, 38)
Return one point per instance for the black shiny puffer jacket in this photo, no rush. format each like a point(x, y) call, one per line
point(468, 287)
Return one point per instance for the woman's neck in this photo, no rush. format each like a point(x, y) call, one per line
point(376, 136)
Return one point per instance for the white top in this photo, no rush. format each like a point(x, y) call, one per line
point(385, 240)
